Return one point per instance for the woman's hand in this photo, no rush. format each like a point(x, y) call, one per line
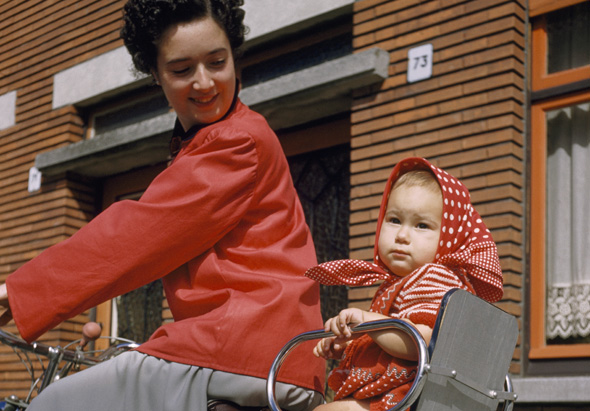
point(6, 316)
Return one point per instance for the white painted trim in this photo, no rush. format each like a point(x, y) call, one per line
point(264, 17)
point(7, 110)
point(552, 390)
point(98, 77)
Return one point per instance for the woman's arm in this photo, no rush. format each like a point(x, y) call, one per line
point(183, 213)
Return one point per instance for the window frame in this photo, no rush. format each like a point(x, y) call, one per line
point(539, 7)
point(540, 78)
point(539, 349)
point(561, 89)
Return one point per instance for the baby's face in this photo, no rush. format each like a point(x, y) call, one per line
point(410, 230)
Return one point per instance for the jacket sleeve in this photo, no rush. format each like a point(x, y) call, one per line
point(184, 212)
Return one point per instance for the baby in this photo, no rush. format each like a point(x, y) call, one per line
point(429, 240)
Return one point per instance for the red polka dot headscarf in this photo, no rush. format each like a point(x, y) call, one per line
point(465, 242)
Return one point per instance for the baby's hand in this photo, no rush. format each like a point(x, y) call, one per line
point(329, 348)
point(340, 325)
point(333, 347)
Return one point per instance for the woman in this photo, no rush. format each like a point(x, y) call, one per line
point(222, 226)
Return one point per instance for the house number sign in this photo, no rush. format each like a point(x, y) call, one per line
point(420, 63)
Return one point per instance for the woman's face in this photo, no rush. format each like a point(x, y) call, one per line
point(195, 69)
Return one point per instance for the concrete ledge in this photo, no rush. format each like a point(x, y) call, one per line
point(342, 74)
point(551, 390)
point(318, 91)
point(114, 152)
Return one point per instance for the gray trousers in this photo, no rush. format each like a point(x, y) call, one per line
point(137, 382)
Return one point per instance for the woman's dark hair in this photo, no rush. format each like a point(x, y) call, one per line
point(146, 20)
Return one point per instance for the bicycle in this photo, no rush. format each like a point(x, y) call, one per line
point(72, 359)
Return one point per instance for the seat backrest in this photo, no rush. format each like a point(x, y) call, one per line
point(471, 349)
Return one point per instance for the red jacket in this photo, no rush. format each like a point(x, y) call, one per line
point(225, 230)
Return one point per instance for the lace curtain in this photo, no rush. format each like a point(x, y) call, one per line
point(568, 224)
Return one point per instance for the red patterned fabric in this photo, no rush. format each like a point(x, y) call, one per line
point(466, 258)
point(366, 371)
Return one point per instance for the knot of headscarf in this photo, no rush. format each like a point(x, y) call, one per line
point(347, 272)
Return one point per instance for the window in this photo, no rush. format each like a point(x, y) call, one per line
point(560, 188)
point(561, 35)
point(127, 113)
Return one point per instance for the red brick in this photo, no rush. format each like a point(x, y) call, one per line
point(362, 254)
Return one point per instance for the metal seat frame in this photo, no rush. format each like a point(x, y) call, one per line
point(464, 367)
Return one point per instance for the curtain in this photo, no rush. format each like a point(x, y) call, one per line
point(568, 224)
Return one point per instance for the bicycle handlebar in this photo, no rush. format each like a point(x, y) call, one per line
point(58, 354)
point(77, 357)
point(73, 358)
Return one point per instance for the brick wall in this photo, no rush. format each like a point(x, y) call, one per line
point(467, 118)
point(39, 38)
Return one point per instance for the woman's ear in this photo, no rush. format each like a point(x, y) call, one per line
point(156, 77)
